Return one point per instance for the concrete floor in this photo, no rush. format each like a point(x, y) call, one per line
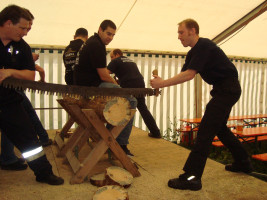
point(160, 161)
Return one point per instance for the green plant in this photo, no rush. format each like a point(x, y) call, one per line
point(171, 133)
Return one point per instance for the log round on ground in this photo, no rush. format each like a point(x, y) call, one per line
point(118, 176)
point(111, 192)
point(98, 180)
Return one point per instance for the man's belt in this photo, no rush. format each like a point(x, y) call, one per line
point(74, 90)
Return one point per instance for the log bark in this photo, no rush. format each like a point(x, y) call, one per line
point(111, 192)
point(113, 110)
point(98, 180)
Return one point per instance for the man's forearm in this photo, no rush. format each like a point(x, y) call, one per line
point(21, 74)
point(178, 79)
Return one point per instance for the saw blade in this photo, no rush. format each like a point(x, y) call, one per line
point(86, 92)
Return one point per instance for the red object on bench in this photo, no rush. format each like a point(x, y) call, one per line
point(262, 157)
point(262, 138)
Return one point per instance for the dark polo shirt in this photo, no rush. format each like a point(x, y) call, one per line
point(91, 56)
point(15, 55)
point(210, 62)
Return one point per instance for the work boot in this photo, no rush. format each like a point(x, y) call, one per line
point(243, 166)
point(154, 135)
point(16, 166)
point(186, 182)
point(126, 150)
point(50, 179)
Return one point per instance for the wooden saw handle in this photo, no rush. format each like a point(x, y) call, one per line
point(157, 92)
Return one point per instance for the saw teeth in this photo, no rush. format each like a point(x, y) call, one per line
point(81, 91)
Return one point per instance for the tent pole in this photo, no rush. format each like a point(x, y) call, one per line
point(241, 22)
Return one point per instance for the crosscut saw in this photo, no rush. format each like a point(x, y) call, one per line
point(73, 90)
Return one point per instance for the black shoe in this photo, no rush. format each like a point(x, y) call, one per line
point(186, 182)
point(50, 179)
point(21, 160)
point(154, 135)
point(47, 143)
point(245, 167)
point(126, 150)
point(16, 166)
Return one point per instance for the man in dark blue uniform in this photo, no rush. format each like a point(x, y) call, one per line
point(129, 76)
point(8, 158)
point(70, 53)
point(16, 61)
point(216, 69)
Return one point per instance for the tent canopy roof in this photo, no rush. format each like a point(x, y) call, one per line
point(147, 24)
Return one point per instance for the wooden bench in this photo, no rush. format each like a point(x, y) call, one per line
point(186, 134)
point(217, 143)
point(261, 157)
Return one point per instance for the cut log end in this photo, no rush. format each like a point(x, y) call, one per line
point(118, 176)
point(117, 111)
point(111, 192)
point(113, 176)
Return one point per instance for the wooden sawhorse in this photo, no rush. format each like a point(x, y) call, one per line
point(91, 126)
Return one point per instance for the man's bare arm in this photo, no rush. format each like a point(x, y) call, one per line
point(104, 75)
point(20, 74)
point(41, 72)
point(182, 77)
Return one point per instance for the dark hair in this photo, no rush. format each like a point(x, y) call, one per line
point(190, 23)
point(107, 23)
point(32, 17)
point(81, 32)
point(13, 13)
point(117, 51)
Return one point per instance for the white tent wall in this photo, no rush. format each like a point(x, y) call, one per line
point(252, 78)
point(147, 24)
point(174, 103)
point(151, 25)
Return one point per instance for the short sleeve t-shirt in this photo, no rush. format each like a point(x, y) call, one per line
point(127, 72)
point(210, 62)
point(15, 55)
point(92, 55)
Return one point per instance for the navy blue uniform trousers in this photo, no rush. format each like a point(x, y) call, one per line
point(16, 124)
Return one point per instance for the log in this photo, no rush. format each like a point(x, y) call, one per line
point(111, 192)
point(113, 110)
point(98, 180)
point(117, 111)
point(118, 176)
point(113, 176)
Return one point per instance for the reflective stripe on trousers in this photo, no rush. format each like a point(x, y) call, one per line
point(33, 154)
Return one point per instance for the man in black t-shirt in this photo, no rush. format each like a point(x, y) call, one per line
point(70, 53)
point(130, 77)
point(90, 70)
point(216, 69)
point(16, 61)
